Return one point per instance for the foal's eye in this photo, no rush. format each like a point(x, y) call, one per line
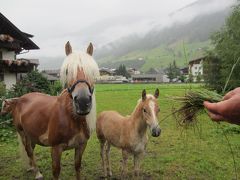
point(144, 110)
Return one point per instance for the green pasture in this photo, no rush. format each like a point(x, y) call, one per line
point(194, 153)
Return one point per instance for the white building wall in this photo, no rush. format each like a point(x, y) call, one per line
point(196, 69)
point(9, 79)
point(166, 79)
point(8, 55)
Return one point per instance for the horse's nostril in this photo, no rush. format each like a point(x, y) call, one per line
point(75, 98)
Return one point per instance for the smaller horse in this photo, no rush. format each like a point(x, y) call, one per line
point(128, 133)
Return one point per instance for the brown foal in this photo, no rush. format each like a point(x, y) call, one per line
point(62, 122)
point(128, 133)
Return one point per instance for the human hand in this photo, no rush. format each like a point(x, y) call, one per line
point(226, 110)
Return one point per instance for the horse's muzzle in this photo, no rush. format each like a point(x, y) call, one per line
point(83, 105)
point(156, 132)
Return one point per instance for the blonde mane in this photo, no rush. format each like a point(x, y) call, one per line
point(75, 62)
point(69, 70)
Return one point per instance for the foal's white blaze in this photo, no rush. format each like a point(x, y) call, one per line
point(154, 118)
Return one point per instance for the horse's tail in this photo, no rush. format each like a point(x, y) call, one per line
point(23, 153)
point(8, 105)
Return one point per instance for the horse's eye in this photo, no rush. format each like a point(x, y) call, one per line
point(144, 110)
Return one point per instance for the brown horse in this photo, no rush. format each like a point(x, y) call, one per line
point(128, 133)
point(62, 122)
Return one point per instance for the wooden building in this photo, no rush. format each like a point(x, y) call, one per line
point(12, 42)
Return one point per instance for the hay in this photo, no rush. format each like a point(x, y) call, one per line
point(192, 105)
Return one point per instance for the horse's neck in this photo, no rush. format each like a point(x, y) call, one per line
point(139, 124)
point(66, 99)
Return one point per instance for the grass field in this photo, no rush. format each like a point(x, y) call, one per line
point(200, 153)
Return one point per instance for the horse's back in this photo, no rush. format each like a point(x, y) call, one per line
point(109, 126)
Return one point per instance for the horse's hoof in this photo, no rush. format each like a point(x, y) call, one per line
point(39, 176)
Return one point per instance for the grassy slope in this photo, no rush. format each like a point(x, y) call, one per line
point(176, 154)
point(161, 56)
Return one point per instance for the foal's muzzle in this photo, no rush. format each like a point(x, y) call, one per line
point(156, 131)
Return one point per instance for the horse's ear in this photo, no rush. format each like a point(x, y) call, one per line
point(68, 48)
point(90, 49)
point(144, 95)
point(156, 94)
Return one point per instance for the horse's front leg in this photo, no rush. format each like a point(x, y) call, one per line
point(124, 164)
point(78, 158)
point(56, 153)
point(137, 158)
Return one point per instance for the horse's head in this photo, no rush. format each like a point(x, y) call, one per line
point(150, 110)
point(78, 73)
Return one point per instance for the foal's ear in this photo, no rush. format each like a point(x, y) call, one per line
point(144, 95)
point(68, 48)
point(90, 49)
point(156, 94)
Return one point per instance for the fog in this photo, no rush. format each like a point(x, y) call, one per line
point(53, 22)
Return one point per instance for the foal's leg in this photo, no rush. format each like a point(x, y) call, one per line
point(124, 163)
point(109, 171)
point(78, 158)
point(102, 145)
point(56, 153)
point(137, 158)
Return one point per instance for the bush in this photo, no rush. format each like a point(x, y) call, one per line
point(56, 88)
point(32, 82)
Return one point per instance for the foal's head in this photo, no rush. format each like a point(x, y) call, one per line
point(150, 109)
point(78, 73)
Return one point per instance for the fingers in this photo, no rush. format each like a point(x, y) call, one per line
point(228, 95)
point(212, 107)
point(231, 93)
point(215, 117)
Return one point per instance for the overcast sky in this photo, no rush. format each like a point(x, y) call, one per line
point(100, 21)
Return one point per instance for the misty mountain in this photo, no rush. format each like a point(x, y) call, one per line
point(198, 29)
point(126, 39)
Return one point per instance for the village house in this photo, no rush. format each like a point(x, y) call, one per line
point(153, 75)
point(133, 71)
point(13, 42)
point(108, 75)
point(52, 75)
point(195, 69)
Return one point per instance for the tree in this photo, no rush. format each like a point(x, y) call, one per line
point(122, 71)
point(32, 82)
point(225, 53)
point(173, 72)
point(212, 75)
point(170, 73)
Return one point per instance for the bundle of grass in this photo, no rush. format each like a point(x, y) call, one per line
point(192, 105)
